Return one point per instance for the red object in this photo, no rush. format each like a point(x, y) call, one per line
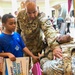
point(69, 5)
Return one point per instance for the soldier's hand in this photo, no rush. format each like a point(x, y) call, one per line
point(57, 52)
point(64, 39)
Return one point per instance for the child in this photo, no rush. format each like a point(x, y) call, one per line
point(11, 42)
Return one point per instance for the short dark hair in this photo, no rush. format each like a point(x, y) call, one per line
point(5, 17)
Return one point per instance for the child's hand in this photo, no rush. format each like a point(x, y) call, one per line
point(36, 58)
point(11, 57)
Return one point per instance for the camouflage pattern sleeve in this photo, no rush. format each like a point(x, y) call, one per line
point(20, 18)
point(18, 28)
point(50, 33)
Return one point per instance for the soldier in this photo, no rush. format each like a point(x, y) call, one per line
point(64, 66)
point(29, 23)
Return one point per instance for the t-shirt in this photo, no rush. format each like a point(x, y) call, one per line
point(0, 27)
point(12, 43)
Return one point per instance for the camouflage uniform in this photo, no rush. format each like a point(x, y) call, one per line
point(60, 66)
point(30, 31)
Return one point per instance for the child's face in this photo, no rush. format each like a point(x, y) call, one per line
point(10, 25)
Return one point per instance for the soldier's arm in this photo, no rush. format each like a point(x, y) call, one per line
point(18, 28)
point(51, 35)
point(19, 19)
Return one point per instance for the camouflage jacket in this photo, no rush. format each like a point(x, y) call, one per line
point(65, 66)
point(30, 31)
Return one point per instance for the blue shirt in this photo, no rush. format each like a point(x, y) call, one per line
point(12, 43)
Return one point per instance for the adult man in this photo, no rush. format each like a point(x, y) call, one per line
point(30, 23)
point(60, 20)
point(58, 66)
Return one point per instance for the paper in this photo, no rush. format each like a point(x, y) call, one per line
point(18, 67)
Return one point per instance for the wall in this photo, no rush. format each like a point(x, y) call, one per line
point(52, 3)
point(74, 8)
point(5, 7)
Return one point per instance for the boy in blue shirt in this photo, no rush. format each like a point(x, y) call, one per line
point(11, 43)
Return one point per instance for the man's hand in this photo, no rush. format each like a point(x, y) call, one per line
point(57, 52)
point(11, 57)
point(64, 39)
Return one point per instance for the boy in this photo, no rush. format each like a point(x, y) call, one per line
point(11, 42)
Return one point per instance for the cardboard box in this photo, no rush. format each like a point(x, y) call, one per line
point(18, 67)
